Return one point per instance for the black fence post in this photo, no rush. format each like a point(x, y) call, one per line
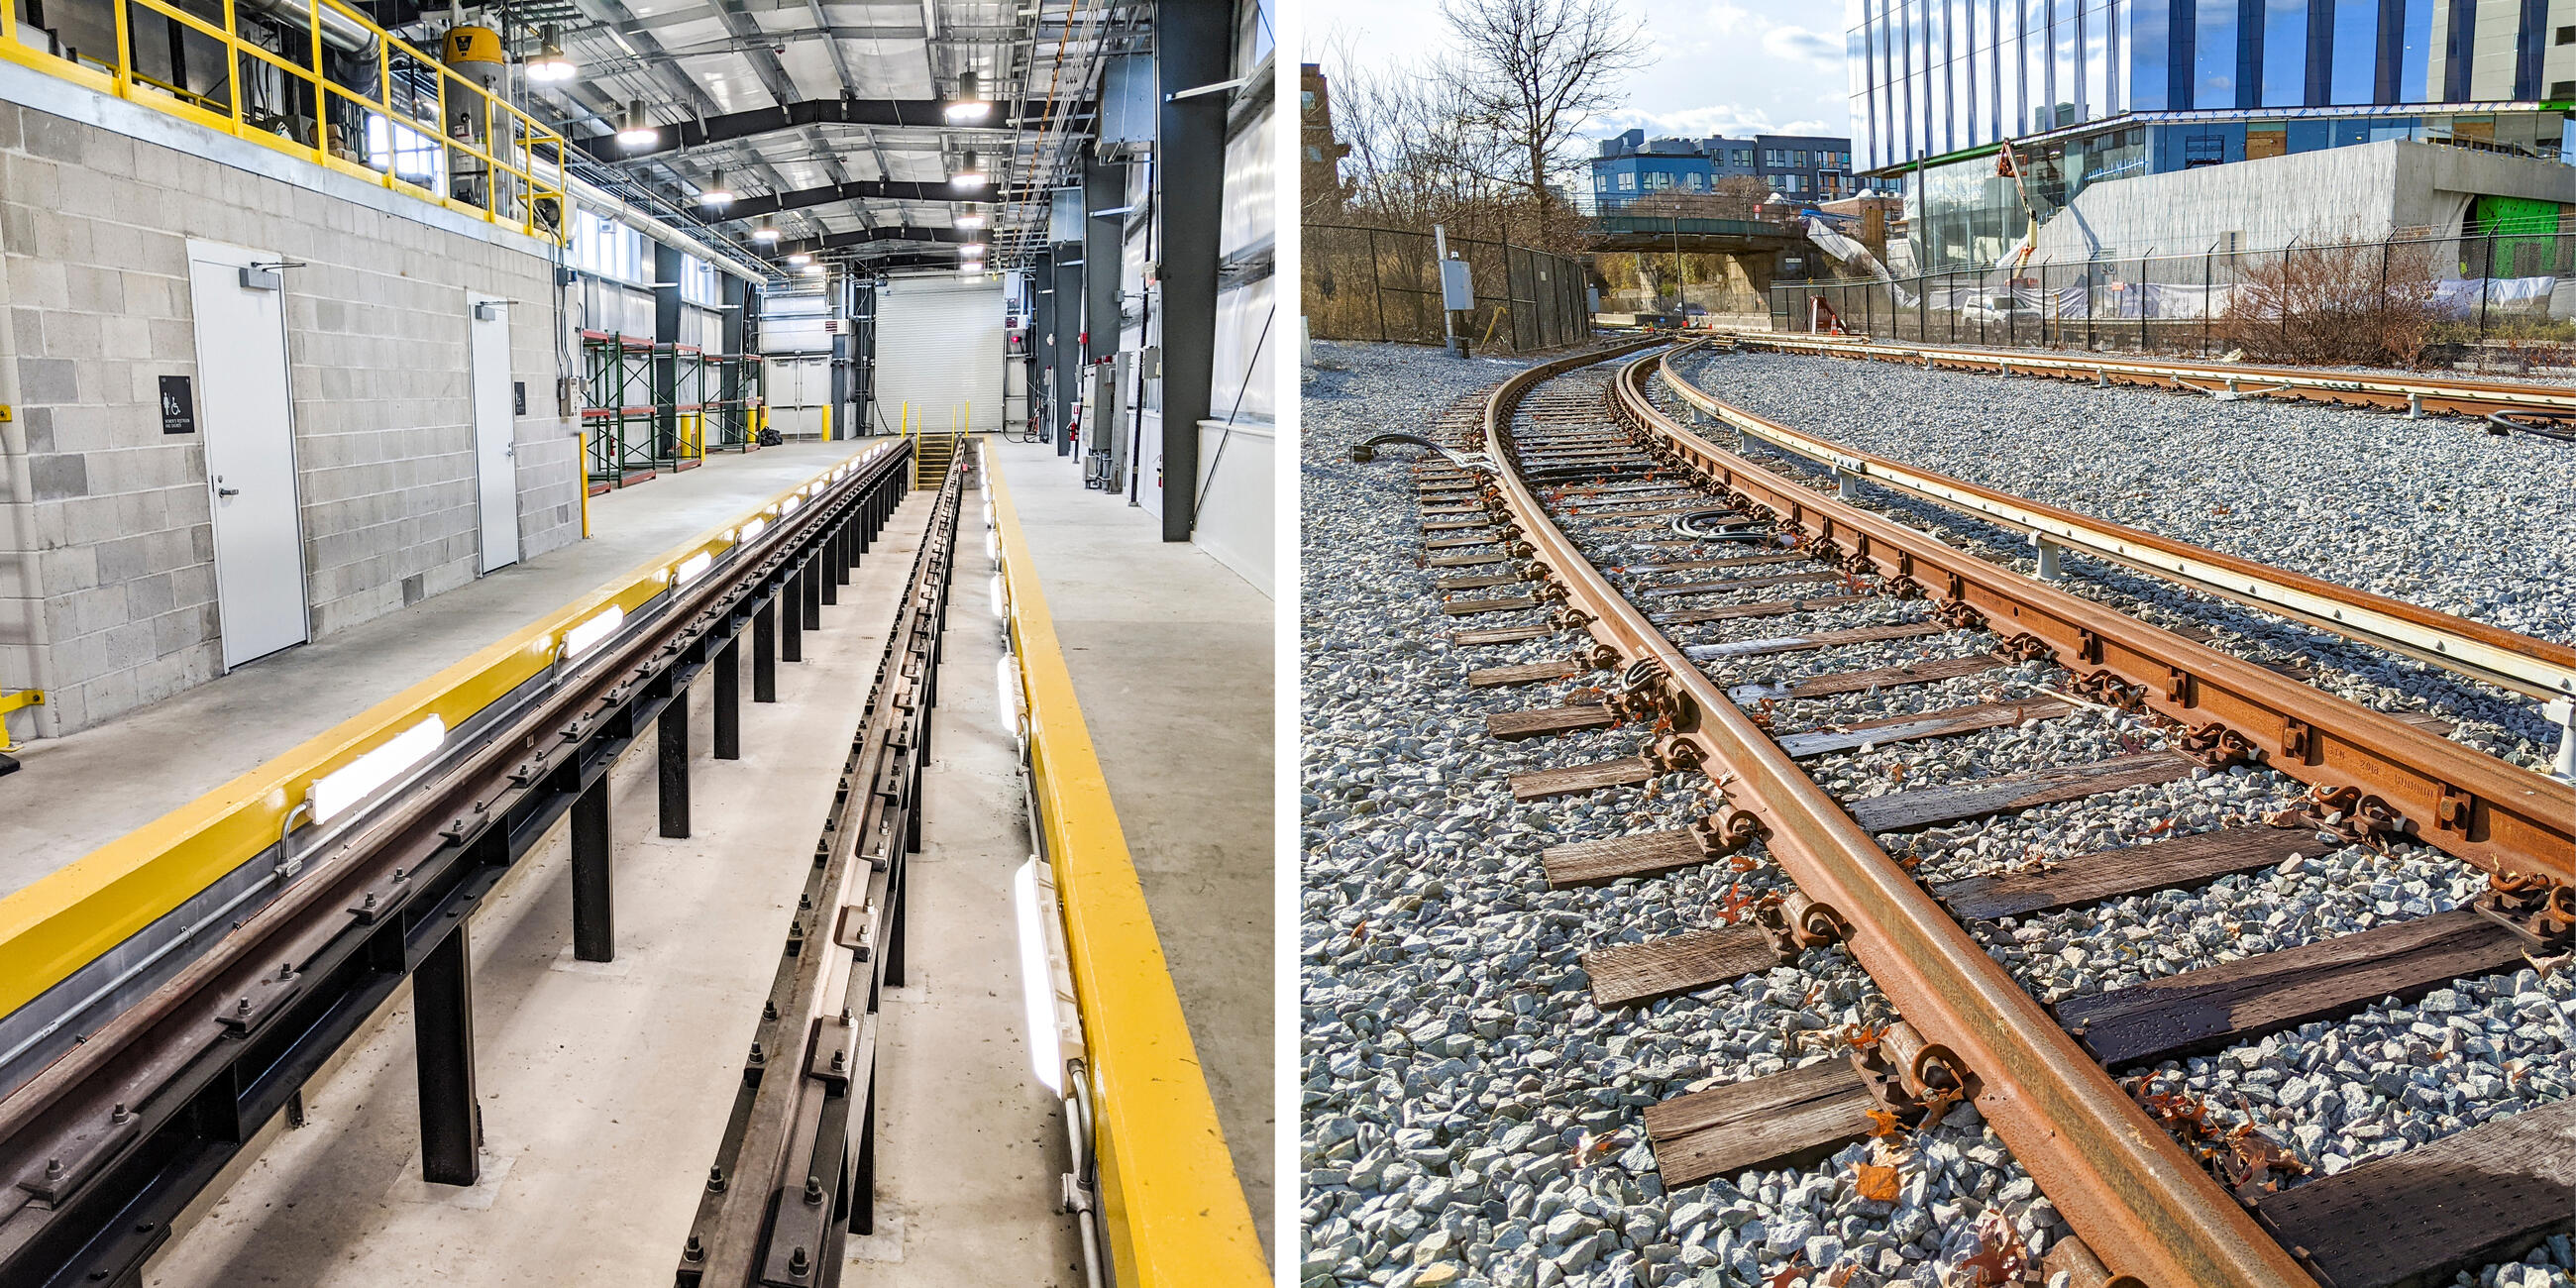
point(1377, 286)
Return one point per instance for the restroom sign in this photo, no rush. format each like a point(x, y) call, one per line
point(178, 408)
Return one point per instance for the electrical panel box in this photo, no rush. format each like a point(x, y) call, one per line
point(1064, 221)
point(1128, 106)
point(1112, 377)
point(1457, 286)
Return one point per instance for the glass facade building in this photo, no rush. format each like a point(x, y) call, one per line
point(2091, 90)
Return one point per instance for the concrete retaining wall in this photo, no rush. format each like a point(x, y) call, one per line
point(2364, 192)
point(107, 593)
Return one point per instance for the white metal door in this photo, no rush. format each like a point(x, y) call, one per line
point(246, 419)
point(939, 348)
point(496, 473)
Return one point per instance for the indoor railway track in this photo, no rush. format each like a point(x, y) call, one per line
point(1798, 654)
point(138, 1077)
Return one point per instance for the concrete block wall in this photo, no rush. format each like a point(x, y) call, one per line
point(107, 591)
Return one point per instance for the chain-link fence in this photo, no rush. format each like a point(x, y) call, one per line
point(2497, 297)
point(1384, 284)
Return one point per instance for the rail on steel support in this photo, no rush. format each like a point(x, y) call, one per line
point(2141, 1203)
point(1152, 1161)
point(795, 1173)
point(136, 1107)
point(2491, 655)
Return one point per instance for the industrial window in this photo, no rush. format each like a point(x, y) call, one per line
point(1601, 183)
point(1314, 152)
point(1306, 99)
point(409, 153)
point(2560, 90)
point(2567, 35)
point(1627, 183)
point(699, 281)
point(1693, 181)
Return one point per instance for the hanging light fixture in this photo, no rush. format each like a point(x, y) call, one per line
point(800, 259)
point(972, 174)
point(550, 64)
point(969, 217)
point(639, 130)
point(716, 193)
point(969, 105)
point(767, 232)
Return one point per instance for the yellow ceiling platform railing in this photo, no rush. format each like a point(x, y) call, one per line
point(1175, 1209)
point(519, 187)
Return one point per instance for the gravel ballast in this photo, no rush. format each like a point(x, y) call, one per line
point(2436, 512)
point(1470, 1118)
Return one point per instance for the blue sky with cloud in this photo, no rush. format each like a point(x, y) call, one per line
point(1719, 67)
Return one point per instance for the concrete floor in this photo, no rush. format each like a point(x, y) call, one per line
point(1174, 658)
point(79, 792)
point(605, 1087)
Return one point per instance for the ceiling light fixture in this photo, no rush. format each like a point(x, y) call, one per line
point(550, 64)
point(972, 175)
point(639, 131)
point(800, 259)
point(969, 105)
point(716, 193)
point(767, 232)
point(970, 218)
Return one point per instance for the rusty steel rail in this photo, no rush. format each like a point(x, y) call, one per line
point(2124, 1184)
point(2395, 777)
point(2492, 655)
point(2413, 394)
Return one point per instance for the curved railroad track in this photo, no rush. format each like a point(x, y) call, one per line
point(1934, 765)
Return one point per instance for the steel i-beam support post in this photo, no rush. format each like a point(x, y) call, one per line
point(845, 550)
point(764, 651)
point(814, 577)
point(442, 996)
point(791, 618)
point(672, 733)
point(594, 918)
point(728, 701)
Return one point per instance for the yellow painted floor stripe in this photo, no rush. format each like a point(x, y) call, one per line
point(1176, 1212)
point(66, 919)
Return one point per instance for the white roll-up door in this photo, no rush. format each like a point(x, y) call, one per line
point(939, 348)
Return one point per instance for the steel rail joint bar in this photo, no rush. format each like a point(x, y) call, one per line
point(2125, 1185)
point(2464, 397)
point(442, 837)
point(2534, 667)
point(2472, 806)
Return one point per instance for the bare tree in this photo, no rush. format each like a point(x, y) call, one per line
point(1418, 156)
point(1534, 71)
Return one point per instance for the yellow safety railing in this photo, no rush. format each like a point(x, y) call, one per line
point(1173, 1206)
point(68, 918)
point(522, 186)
